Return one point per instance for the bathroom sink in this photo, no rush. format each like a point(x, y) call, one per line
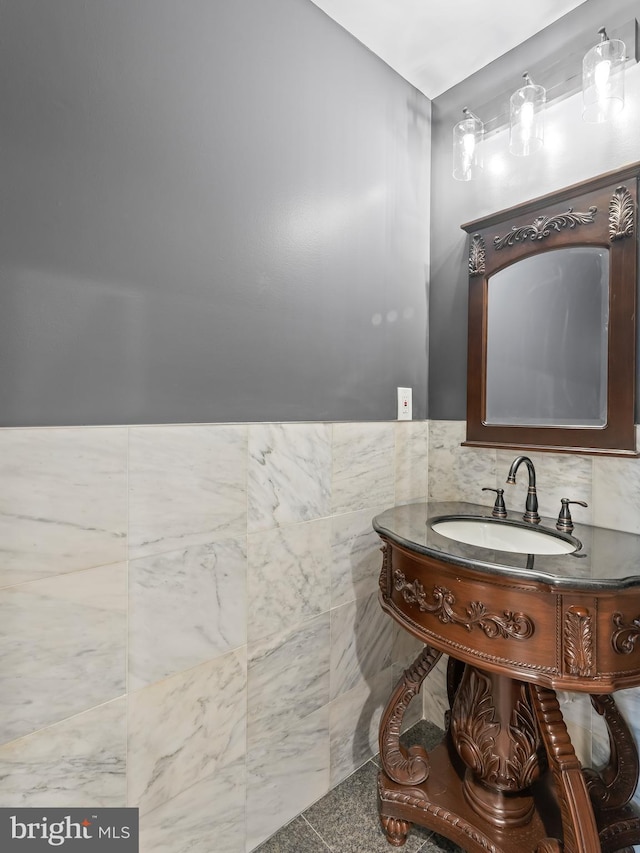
point(502, 535)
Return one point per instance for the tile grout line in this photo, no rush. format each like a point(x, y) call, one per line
point(313, 829)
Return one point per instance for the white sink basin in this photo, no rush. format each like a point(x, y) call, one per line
point(503, 536)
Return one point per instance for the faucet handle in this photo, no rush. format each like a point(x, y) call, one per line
point(565, 522)
point(499, 509)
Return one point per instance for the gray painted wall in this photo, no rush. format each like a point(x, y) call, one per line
point(574, 151)
point(210, 212)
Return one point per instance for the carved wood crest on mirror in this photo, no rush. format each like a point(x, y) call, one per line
point(552, 321)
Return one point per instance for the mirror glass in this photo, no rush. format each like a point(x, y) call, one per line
point(547, 339)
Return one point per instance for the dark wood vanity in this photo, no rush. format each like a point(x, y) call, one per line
point(516, 628)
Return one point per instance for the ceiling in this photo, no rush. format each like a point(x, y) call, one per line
point(435, 44)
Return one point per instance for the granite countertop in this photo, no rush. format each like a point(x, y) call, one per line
point(606, 558)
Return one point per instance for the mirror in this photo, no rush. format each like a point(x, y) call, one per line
point(547, 338)
point(552, 295)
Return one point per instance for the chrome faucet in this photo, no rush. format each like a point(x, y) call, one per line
point(531, 507)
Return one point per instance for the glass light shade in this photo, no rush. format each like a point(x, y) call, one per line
point(603, 80)
point(467, 148)
point(526, 116)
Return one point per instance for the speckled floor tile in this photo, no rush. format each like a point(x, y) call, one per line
point(424, 733)
point(297, 837)
point(347, 817)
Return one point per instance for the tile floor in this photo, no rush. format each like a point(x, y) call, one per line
point(346, 819)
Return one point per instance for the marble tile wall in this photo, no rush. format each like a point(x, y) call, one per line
point(610, 486)
point(188, 614)
point(189, 622)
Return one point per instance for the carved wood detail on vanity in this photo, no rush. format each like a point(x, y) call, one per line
point(518, 626)
point(385, 573)
point(624, 637)
point(408, 800)
point(578, 641)
point(523, 732)
point(476, 730)
point(405, 766)
point(474, 726)
point(396, 830)
point(614, 785)
point(578, 823)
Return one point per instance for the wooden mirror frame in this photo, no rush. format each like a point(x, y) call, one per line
point(599, 212)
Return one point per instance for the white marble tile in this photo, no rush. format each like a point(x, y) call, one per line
point(80, 761)
point(361, 643)
point(412, 460)
point(354, 722)
point(187, 486)
point(435, 702)
point(289, 576)
point(186, 607)
point(63, 501)
point(63, 647)
point(565, 476)
point(474, 470)
point(458, 473)
point(599, 749)
point(576, 710)
point(406, 647)
point(209, 812)
point(444, 446)
point(287, 774)
point(182, 730)
point(629, 703)
point(616, 494)
point(363, 466)
point(288, 678)
point(581, 740)
point(289, 473)
point(356, 557)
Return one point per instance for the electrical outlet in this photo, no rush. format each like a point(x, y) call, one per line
point(405, 409)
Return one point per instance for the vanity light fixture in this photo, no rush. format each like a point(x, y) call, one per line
point(467, 148)
point(526, 116)
point(603, 79)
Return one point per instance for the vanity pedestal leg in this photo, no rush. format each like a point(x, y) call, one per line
point(405, 766)
point(399, 764)
point(615, 785)
point(396, 830)
point(495, 734)
point(474, 787)
point(487, 785)
point(612, 788)
point(579, 829)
